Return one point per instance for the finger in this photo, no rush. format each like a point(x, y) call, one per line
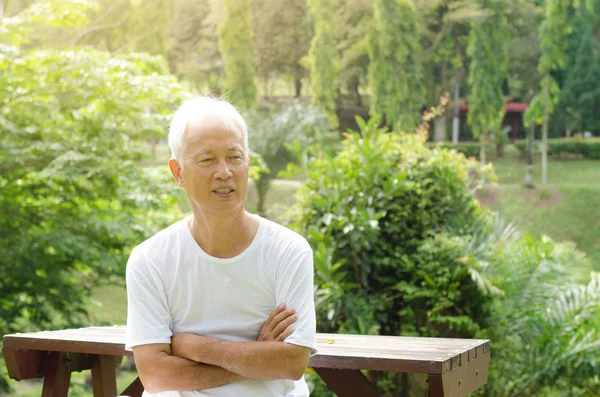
point(281, 317)
point(285, 334)
point(275, 312)
point(284, 324)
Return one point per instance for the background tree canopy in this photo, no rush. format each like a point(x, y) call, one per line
point(73, 125)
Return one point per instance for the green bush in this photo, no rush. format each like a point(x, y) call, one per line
point(375, 214)
point(546, 324)
point(469, 149)
point(402, 248)
point(588, 148)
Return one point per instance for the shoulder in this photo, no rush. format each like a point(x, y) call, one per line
point(158, 248)
point(280, 238)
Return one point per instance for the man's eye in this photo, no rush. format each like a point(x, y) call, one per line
point(206, 160)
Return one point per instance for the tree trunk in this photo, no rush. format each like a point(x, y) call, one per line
point(353, 85)
point(298, 87)
point(262, 186)
point(439, 124)
point(529, 166)
point(455, 120)
point(153, 143)
point(482, 157)
point(298, 80)
point(545, 131)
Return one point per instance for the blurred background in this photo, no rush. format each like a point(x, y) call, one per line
point(441, 156)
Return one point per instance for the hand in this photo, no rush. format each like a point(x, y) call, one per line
point(182, 343)
point(277, 327)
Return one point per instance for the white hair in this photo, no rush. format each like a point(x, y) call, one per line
point(193, 113)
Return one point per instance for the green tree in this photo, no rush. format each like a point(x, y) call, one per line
point(271, 131)
point(324, 59)
point(354, 19)
point(554, 32)
point(580, 94)
point(194, 55)
point(124, 25)
point(487, 72)
point(74, 197)
point(238, 55)
point(395, 70)
point(446, 26)
point(282, 35)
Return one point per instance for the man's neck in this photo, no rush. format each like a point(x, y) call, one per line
point(223, 236)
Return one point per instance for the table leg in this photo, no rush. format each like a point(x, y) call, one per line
point(346, 382)
point(56, 376)
point(436, 387)
point(104, 377)
point(135, 389)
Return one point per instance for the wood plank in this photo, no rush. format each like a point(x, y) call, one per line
point(24, 364)
point(56, 376)
point(462, 381)
point(347, 383)
point(376, 364)
point(104, 377)
point(386, 353)
point(135, 389)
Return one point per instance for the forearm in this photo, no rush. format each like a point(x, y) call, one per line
point(172, 373)
point(256, 360)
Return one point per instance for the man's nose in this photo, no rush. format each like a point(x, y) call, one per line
point(223, 171)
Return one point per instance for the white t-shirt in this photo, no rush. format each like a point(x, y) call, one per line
point(174, 286)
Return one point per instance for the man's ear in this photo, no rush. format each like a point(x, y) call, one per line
point(248, 158)
point(176, 172)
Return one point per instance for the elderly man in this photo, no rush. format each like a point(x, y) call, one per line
point(221, 302)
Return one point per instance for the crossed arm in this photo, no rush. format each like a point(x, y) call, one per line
point(194, 362)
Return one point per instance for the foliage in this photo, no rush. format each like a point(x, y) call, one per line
point(75, 198)
point(376, 216)
point(323, 58)
point(271, 130)
point(554, 31)
point(395, 69)
point(282, 35)
point(586, 148)
point(238, 54)
point(487, 49)
point(546, 327)
point(194, 55)
point(375, 238)
point(580, 95)
point(469, 149)
point(354, 19)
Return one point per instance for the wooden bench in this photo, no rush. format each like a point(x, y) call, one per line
point(454, 367)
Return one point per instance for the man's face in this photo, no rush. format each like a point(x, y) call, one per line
point(215, 172)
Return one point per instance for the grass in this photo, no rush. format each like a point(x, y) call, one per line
point(565, 212)
point(568, 208)
point(511, 171)
point(80, 385)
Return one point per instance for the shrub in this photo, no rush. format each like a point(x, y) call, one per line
point(469, 149)
point(380, 207)
point(567, 147)
point(403, 248)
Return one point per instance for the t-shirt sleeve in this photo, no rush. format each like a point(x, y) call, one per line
point(148, 315)
point(295, 288)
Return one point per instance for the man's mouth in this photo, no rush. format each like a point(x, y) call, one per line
point(223, 191)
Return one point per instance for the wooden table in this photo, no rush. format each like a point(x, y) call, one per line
point(455, 367)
